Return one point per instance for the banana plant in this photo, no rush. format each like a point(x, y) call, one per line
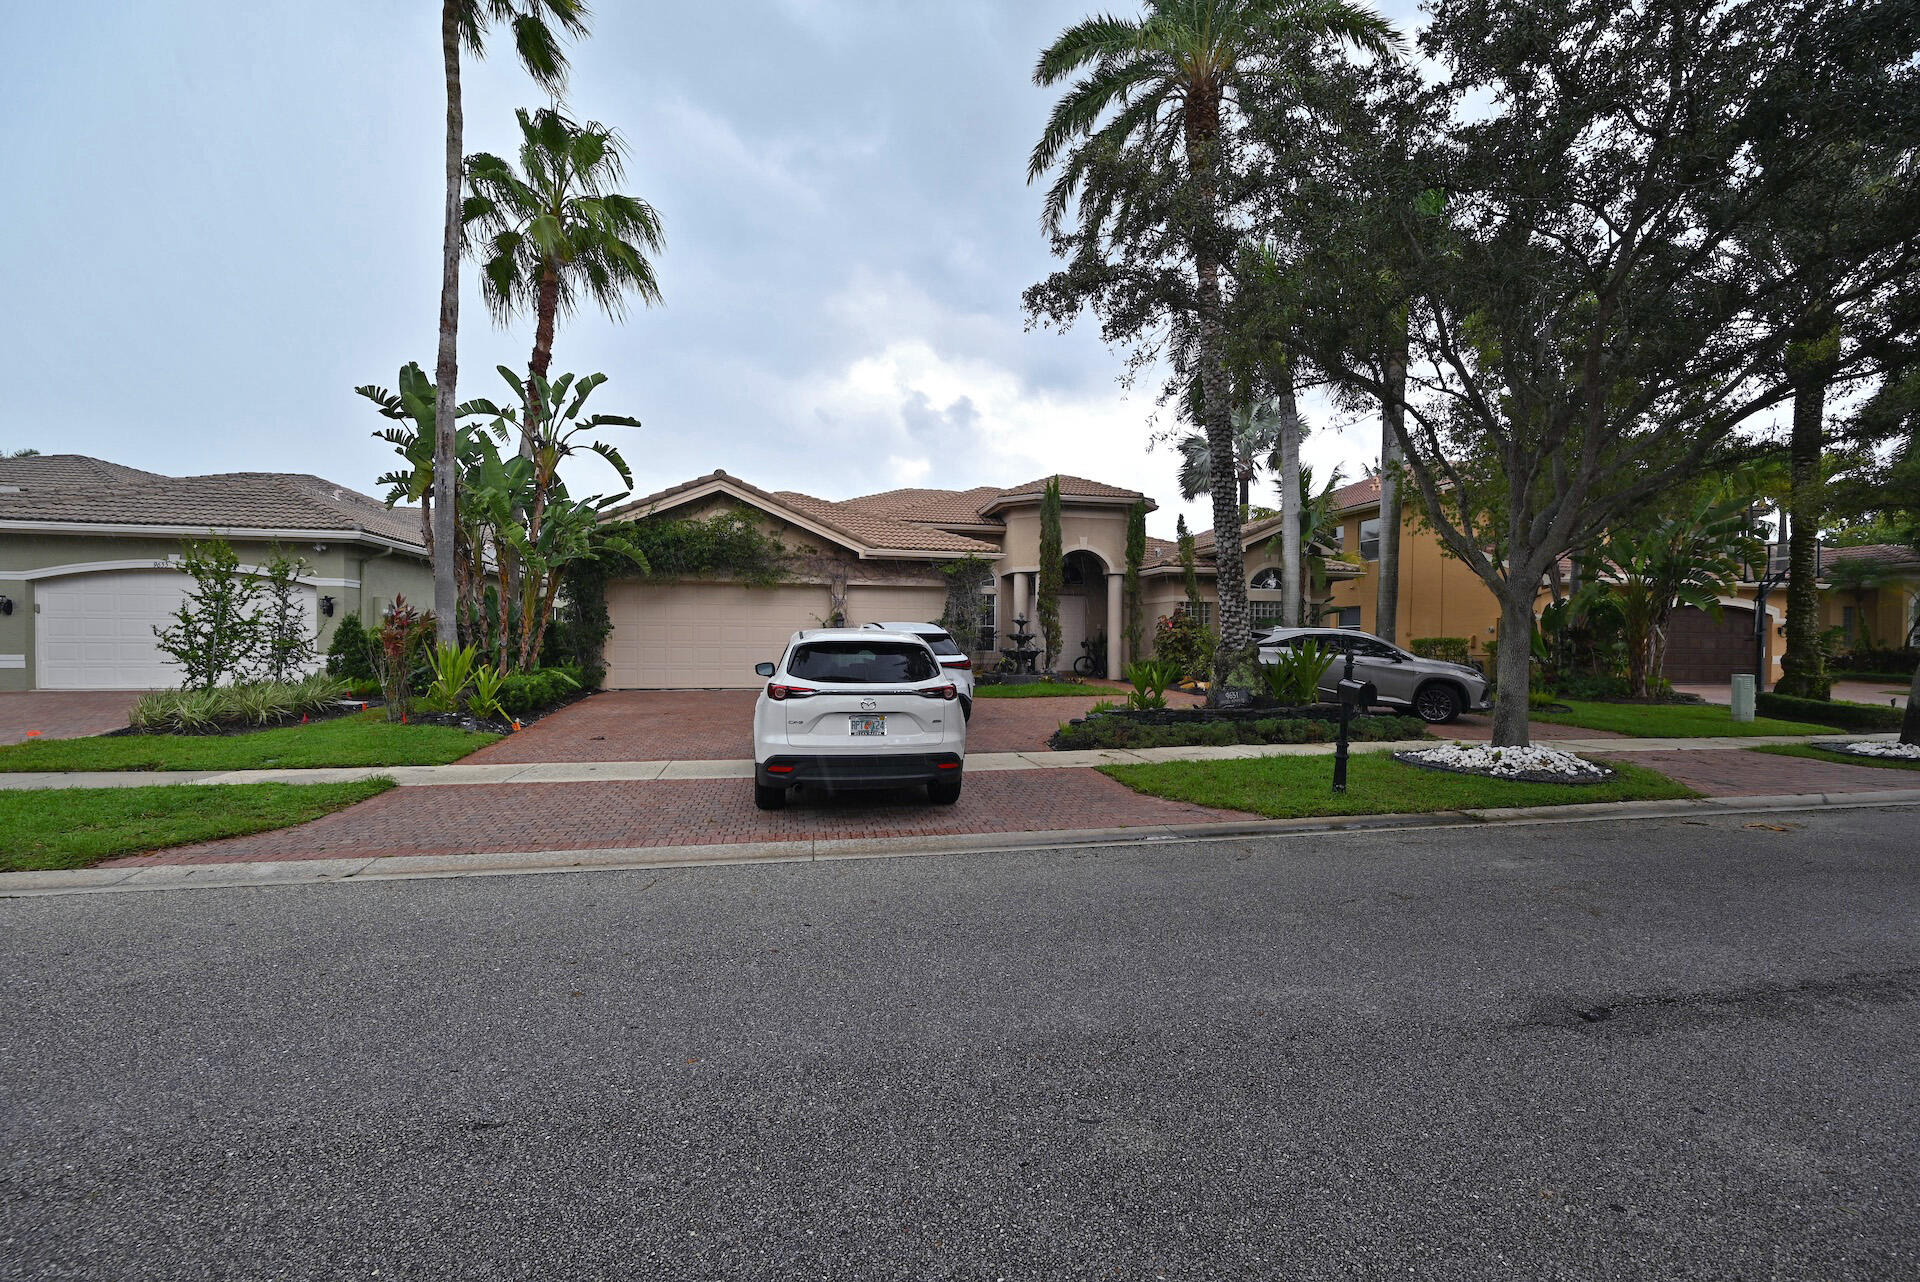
point(412, 409)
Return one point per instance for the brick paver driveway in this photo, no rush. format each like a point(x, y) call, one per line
point(716, 725)
point(1738, 772)
point(62, 714)
point(589, 816)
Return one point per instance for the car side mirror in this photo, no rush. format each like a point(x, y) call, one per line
point(763, 669)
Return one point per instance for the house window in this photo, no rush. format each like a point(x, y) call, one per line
point(1370, 539)
point(1347, 616)
point(1848, 621)
point(988, 623)
point(1201, 610)
point(1266, 614)
point(1268, 580)
point(1336, 538)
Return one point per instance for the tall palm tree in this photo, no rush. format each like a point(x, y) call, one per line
point(1393, 415)
point(557, 231)
point(1256, 444)
point(464, 25)
point(1165, 86)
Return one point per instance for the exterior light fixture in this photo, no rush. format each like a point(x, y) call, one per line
point(6, 605)
point(326, 606)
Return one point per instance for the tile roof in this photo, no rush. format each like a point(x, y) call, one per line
point(73, 488)
point(1873, 553)
point(860, 525)
point(1361, 493)
point(934, 507)
point(1079, 485)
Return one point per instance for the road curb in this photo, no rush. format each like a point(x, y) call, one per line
point(293, 872)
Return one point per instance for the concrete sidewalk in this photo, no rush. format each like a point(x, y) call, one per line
point(460, 773)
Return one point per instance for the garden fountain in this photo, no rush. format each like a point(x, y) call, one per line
point(1023, 652)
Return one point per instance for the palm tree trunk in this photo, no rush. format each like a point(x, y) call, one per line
point(446, 476)
point(545, 309)
point(1386, 610)
point(1910, 724)
point(1291, 579)
point(1802, 668)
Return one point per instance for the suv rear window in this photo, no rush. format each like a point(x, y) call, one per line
point(862, 662)
point(942, 644)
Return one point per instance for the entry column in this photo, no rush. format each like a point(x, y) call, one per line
point(1116, 586)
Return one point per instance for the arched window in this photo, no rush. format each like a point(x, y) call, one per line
point(1267, 580)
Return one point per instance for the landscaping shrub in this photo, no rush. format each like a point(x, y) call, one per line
point(523, 694)
point(258, 703)
point(1150, 679)
point(1294, 677)
point(1447, 649)
point(1877, 660)
point(1591, 685)
point(1187, 642)
point(1122, 732)
point(1867, 718)
point(347, 652)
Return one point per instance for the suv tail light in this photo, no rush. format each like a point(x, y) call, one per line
point(948, 692)
point(779, 692)
point(963, 663)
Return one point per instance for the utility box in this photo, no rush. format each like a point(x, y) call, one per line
point(1743, 687)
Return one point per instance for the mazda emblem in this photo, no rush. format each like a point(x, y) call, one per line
point(868, 705)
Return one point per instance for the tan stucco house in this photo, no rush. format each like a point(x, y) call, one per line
point(87, 552)
point(878, 557)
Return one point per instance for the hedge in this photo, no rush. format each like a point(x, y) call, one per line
point(1119, 732)
point(523, 694)
point(1864, 717)
point(1447, 649)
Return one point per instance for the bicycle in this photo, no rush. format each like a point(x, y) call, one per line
point(1093, 663)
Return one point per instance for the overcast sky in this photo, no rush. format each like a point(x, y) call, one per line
point(219, 218)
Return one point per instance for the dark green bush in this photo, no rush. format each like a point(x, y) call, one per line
point(1447, 649)
point(1589, 685)
point(524, 694)
point(347, 654)
point(1120, 732)
point(1877, 660)
point(1865, 717)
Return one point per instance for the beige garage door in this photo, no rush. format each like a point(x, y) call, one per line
point(895, 605)
point(701, 636)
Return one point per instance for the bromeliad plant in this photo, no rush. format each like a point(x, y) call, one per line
point(1293, 679)
point(1150, 679)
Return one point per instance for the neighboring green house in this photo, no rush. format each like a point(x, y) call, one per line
point(86, 548)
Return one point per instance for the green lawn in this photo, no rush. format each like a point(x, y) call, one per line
point(1295, 787)
point(363, 739)
point(1812, 753)
point(1669, 720)
point(1045, 690)
point(74, 827)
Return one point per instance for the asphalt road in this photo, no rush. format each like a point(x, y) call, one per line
point(1659, 1050)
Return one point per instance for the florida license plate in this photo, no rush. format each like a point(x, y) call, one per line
point(870, 725)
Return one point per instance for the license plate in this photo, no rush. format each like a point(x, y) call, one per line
point(869, 725)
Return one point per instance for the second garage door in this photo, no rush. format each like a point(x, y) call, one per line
point(1708, 648)
point(701, 636)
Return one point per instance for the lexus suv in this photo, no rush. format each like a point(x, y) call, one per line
point(948, 651)
point(1434, 690)
point(857, 708)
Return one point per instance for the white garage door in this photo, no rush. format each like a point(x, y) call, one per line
point(701, 636)
point(895, 605)
point(95, 631)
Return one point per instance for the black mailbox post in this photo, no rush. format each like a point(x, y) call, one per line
point(1352, 694)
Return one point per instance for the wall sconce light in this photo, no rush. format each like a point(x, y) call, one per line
point(326, 606)
point(6, 605)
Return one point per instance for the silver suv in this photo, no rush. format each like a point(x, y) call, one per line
point(1435, 690)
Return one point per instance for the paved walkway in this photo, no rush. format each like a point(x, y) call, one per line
point(62, 714)
point(717, 725)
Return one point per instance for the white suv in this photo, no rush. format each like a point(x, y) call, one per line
point(948, 651)
point(857, 708)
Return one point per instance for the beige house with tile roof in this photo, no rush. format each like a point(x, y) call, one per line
point(877, 558)
point(88, 553)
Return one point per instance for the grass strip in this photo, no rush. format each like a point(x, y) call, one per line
point(74, 827)
point(1046, 690)
point(363, 739)
point(1812, 753)
point(1300, 787)
point(1670, 720)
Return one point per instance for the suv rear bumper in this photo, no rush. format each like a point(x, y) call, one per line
point(853, 771)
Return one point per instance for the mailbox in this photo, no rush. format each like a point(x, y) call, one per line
point(1358, 693)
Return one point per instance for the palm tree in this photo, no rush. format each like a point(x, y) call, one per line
point(1165, 87)
point(1393, 414)
point(464, 25)
point(556, 230)
point(1256, 446)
